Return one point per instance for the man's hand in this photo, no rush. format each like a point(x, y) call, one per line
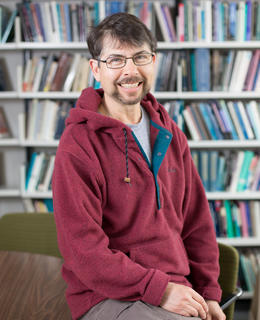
point(185, 301)
point(215, 312)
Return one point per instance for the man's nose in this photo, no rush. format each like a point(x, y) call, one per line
point(130, 67)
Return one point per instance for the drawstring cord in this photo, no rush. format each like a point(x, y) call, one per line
point(127, 178)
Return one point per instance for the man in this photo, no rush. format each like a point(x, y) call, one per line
point(132, 218)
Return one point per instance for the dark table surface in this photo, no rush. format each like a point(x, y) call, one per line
point(31, 287)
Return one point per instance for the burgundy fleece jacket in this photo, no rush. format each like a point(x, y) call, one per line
point(123, 240)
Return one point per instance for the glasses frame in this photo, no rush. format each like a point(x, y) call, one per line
point(126, 58)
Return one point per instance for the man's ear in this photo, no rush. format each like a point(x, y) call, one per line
point(94, 65)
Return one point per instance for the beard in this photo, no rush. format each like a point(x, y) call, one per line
point(134, 99)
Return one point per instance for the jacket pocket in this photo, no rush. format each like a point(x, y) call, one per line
point(167, 255)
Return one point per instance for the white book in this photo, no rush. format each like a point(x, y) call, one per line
point(190, 19)
point(27, 72)
point(56, 30)
point(236, 171)
point(50, 109)
point(161, 21)
point(246, 122)
point(72, 72)
point(47, 22)
point(48, 175)
point(32, 111)
point(235, 120)
point(240, 69)
point(28, 205)
point(192, 129)
point(35, 172)
point(38, 74)
point(253, 114)
point(255, 217)
point(240, 32)
point(102, 10)
point(208, 20)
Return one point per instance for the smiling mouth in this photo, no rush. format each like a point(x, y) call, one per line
point(130, 85)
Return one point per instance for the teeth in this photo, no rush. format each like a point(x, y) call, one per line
point(129, 85)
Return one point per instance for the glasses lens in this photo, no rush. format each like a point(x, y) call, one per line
point(142, 59)
point(115, 62)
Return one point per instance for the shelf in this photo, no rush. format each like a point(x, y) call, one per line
point(52, 45)
point(49, 95)
point(161, 45)
point(9, 95)
point(8, 46)
point(212, 45)
point(240, 242)
point(221, 144)
point(226, 195)
point(9, 143)
point(202, 95)
point(37, 195)
point(159, 95)
point(10, 193)
point(40, 143)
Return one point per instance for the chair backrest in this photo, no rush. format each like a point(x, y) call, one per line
point(229, 263)
point(29, 232)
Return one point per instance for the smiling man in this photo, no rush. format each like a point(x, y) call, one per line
point(132, 218)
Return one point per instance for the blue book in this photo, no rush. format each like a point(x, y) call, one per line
point(248, 219)
point(29, 169)
point(248, 18)
point(242, 125)
point(207, 119)
point(49, 204)
point(232, 20)
point(67, 21)
point(202, 61)
point(39, 17)
point(228, 120)
point(214, 122)
point(257, 74)
point(221, 167)
point(59, 22)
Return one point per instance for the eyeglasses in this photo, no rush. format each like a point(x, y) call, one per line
point(117, 61)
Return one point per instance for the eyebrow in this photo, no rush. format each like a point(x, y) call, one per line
point(122, 56)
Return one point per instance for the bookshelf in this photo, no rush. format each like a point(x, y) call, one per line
point(17, 149)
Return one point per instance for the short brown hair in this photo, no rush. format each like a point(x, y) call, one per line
point(124, 27)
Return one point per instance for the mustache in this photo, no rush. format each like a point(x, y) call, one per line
point(127, 80)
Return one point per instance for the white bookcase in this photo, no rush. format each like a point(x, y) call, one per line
point(15, 150)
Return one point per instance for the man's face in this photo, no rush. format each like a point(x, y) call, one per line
point(126, 85)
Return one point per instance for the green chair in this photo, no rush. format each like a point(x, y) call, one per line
point(36, 233)
point(229, 262)
point(29, 232)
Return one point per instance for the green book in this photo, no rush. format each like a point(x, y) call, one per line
point(230, 228)
point(244, 173)
point(9, 27)
point(258, 23)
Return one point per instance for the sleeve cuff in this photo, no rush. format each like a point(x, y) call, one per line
point(156, 288)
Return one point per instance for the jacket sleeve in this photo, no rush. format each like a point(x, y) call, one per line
point(77, 195)
point(198, 234)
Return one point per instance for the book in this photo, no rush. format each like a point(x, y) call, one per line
point(240, 69)
point(202, 62)
point(242, 180)
point(161, 21)
point(7, 33)
point(5, 81)
point(5, 131)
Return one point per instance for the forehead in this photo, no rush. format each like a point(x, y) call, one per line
point(114, 46)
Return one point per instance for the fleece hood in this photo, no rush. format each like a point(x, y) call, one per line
point(87, 110)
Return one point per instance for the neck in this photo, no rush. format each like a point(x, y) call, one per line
point(128, 114)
